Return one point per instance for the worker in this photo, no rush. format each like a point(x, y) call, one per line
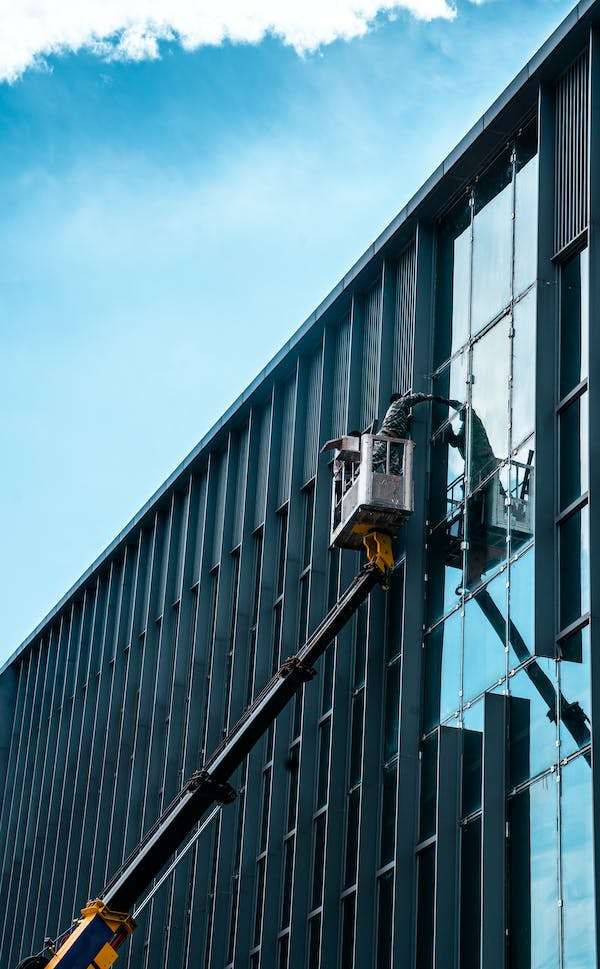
point(483, 459)
point(397, 423)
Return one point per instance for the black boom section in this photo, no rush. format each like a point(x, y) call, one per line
point(210, 784)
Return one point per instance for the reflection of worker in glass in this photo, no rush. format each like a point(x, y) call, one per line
point(483, 459)
point(397, 423)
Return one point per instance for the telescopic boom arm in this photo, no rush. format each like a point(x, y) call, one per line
point(105, 923)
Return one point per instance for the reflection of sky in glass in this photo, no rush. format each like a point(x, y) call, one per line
point(460, 289)
point(585, 311)
point(575, 682)
point(535, 918)
point(533, 735)
point(492, 259)
point(523, 401)
point(526, 226)
point(521, 603)
point(484, 656)
point(490, 388)
point(577, 866)
point(450, 686)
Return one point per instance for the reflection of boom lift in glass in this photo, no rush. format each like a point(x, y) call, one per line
point(495, 508)
point(372, 498)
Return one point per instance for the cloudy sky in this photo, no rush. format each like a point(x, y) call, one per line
point(181, 182)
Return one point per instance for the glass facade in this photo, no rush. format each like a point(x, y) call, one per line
point(428, 799)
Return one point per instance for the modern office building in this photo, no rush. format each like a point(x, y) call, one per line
point(429, 800)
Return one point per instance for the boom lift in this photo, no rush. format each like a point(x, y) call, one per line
point(372, 498)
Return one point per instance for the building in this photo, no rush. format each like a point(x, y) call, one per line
point(430, 801)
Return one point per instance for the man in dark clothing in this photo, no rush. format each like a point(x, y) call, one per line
point(397, 423)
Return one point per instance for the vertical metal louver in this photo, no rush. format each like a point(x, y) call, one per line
point(571, 153)
point(340, 379)
point(287, 440)
point(263, 466)
point(240, 487)
point(313, 401)
point(404, 321)
point(219, 508)
point(371, 350)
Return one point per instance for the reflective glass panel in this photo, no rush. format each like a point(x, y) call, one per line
point(388, 815)
point(492, 244)
point(577, 847)
point(450, 383)
point(574, 449)
point(574, 322)
point(485, 638)
point(575, 689)
point(452, 282)
point(489, 414)
point(487, 528)
point(472, 751)
point(392, 711)
point(445, 568)
point(323, 772)
point(348, 918)
point(385, 921)
point(521, 628)
point(442, 671)
point(447, 489)
point(533, 877)
point(318, 859)
point(470, 895)
point(532, 720)
point(425, 907)
point(523, 380)
point(314, 943)
point(526, 219)
point(428, 799)
point(356, 738)
point(352, 838)
point(522, 496)
point(574, 567)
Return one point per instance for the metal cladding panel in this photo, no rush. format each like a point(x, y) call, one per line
point(219, 512)
point(340, 379)
point(287, 427)
point(240, 492)
point(371, 354)
point(404, 322)
point(313, 401)
point(262, 466)
point(571, 153)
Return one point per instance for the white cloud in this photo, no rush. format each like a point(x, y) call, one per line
point(132, 29)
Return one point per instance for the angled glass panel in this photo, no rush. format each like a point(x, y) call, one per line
point(521, 626)
point(485, 638)
point(392, 711)
point(450, 383)
point(574, 449)
point(574, 550)
point(492, 243)
point(348, 924)
point(526, 221)
point(488, 432)
point(472, 757)
point(487, 528)
point(574, 322)
point(445, 575)
point(470, 895)
point(521, 510)
point(575, 692)
point(447, 487)
point(577, 850)
point(442, 671)
point(385, 920)
point(425, 907)
point(428, 794)
point(533, 935)
point(388, 815)
point(533, 732)
point(523, 377)
point(453, 282)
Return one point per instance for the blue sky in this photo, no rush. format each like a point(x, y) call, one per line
point(168, 222)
